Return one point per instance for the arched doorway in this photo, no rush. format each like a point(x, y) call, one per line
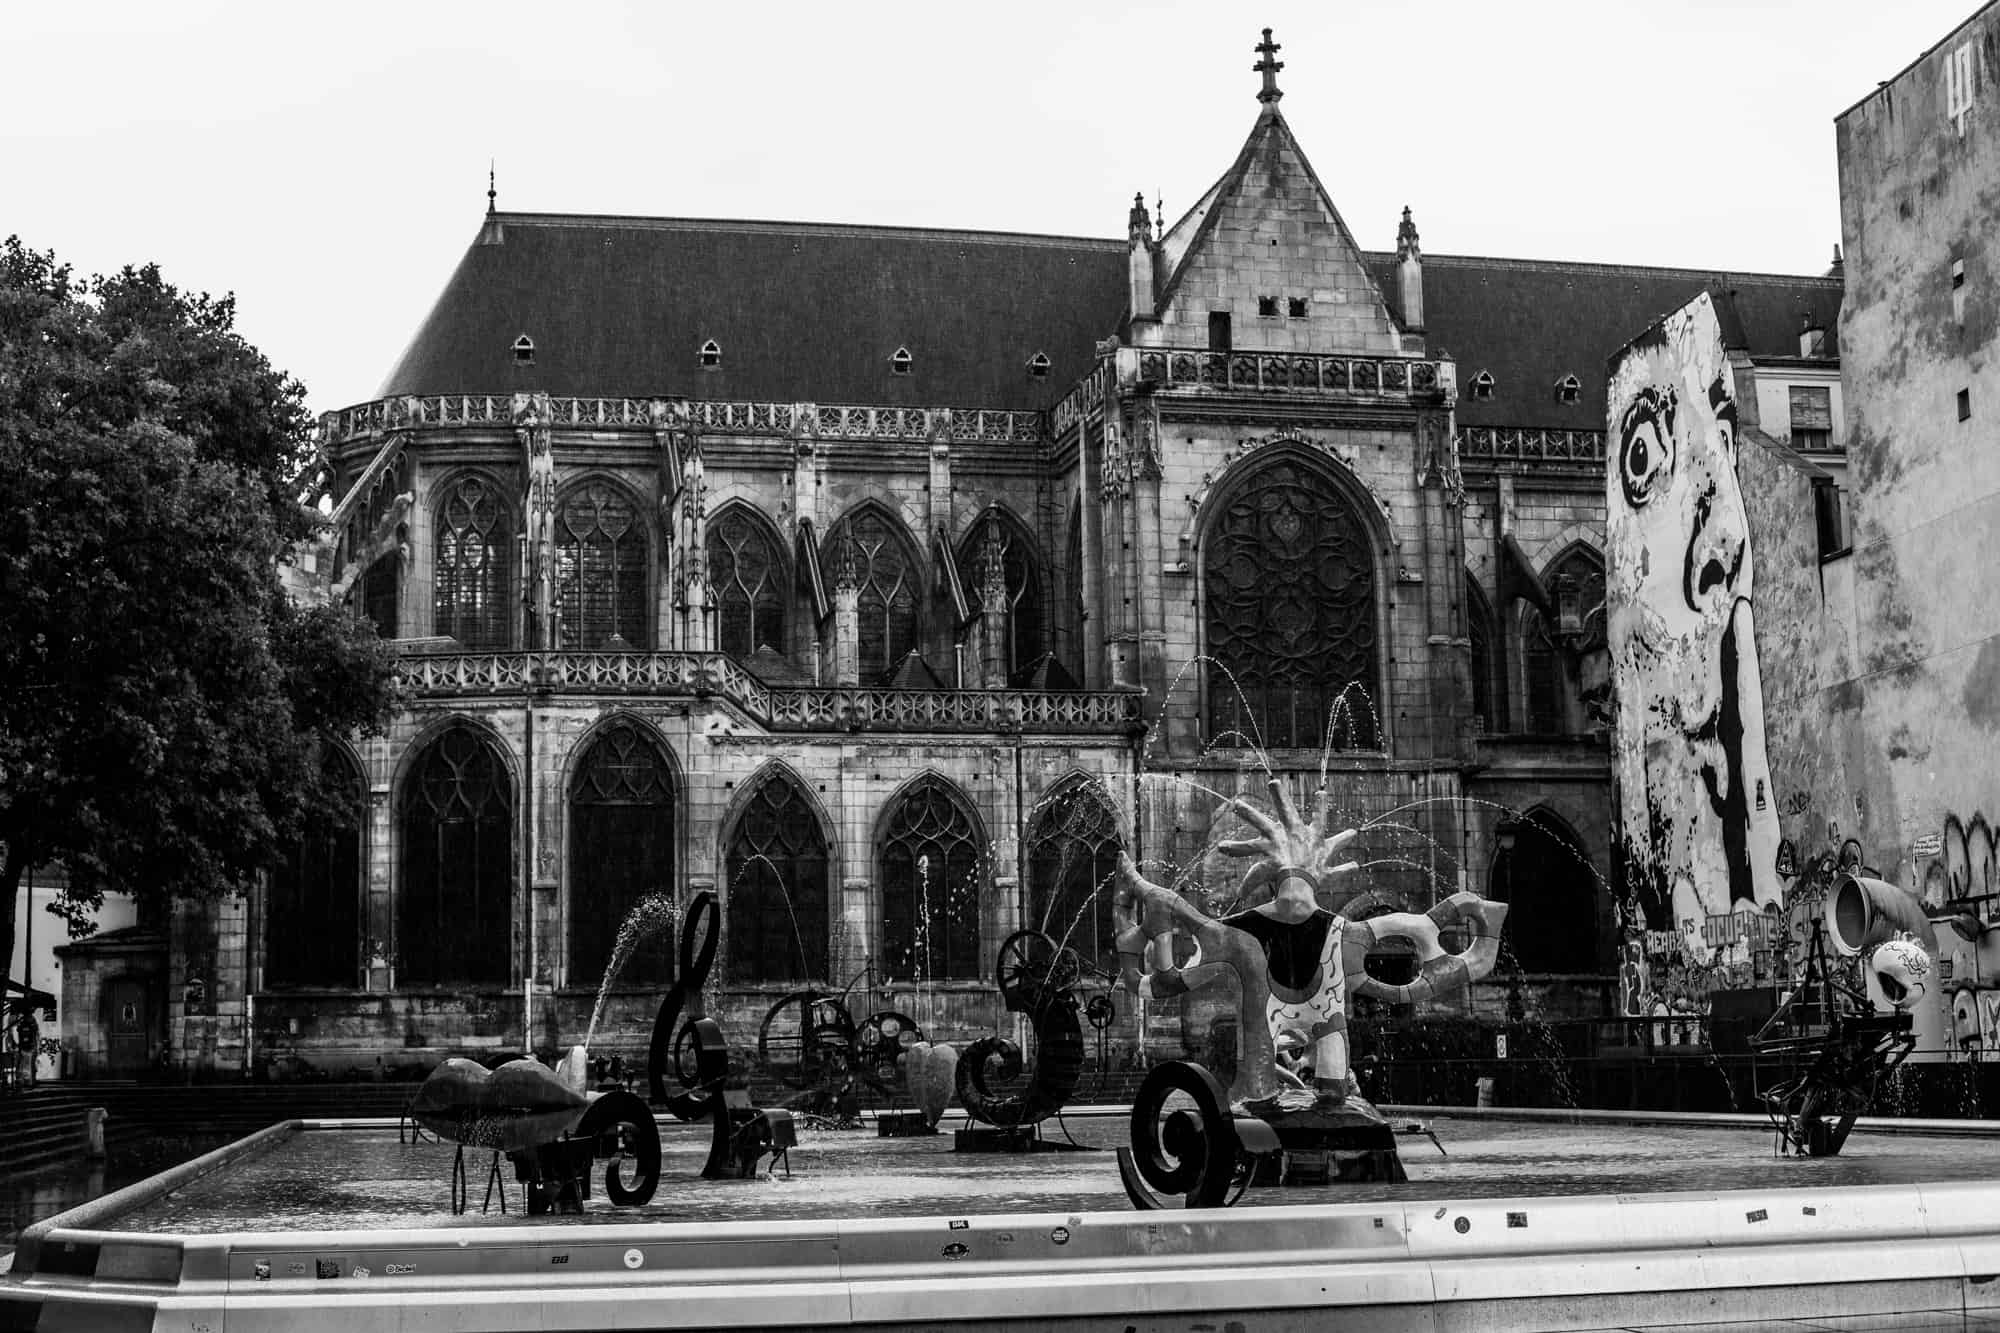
point(1551, 893)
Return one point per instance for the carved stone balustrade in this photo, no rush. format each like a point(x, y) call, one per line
point(779, 709)
point(1479, 445)
point(824, 420)
point(1385, 377)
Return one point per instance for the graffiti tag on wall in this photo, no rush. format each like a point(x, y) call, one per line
point(1679, 585)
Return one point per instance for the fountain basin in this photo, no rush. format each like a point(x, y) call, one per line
point(1525, 1225)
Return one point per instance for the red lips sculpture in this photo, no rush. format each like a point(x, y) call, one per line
point(518, 1106)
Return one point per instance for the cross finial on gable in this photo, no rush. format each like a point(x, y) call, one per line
point(492, 195)
point(1269, 67)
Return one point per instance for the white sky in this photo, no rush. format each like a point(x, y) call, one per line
point(328, 165)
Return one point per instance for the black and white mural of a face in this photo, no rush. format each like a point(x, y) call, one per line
point(1700, 819)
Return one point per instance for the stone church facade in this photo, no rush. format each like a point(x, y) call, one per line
point(887, 582)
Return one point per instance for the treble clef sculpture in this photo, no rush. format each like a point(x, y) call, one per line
point(695, 1053)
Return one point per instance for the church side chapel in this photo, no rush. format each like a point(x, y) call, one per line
point(889, 583)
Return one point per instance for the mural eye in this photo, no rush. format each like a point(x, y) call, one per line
point(1641, 462)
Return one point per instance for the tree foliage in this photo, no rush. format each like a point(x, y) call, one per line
point(160, 697)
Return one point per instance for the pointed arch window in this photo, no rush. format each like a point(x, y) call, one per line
point(312, 912)
point(1072, 856)
point(473, 568)
point(932, 864)
point(621, 854)
point(711, 355)
point(869, 549)
point(777, 878)
point(455, 916)
point(601, 570)
point(1548, 650)
point(1482, 385)
point(900, 361)
point(1020, 574)
point(1288, 573)
point(747, 574)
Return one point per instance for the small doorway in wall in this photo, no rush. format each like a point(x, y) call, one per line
point(129, 1004)
point(1551, 892)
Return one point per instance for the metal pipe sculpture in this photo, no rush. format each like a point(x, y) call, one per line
point(1847, 1038)
point(1294, 964)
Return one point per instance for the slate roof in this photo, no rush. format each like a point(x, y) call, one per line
point(1532, 322)
point(620, 307)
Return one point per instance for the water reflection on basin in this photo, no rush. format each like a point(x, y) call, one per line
point(363, 1178)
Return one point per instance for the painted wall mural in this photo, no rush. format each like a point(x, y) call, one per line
point(1700, 820)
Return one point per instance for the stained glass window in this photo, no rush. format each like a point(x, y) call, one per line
point(621, 854)
point(747, 574)
point(601, 567)
point(885, 574)
point(1072, 857)
point(777, 886)
point(473, 569)
point(932, 864)
point(1290, 585)
point(455, 917)
point(312, 918)
point(1022, 576)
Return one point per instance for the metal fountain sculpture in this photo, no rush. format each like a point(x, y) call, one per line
point(1294, 1110)
point(1038, 979)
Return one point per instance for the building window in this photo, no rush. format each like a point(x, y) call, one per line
point(454, 923)
point(1568, 389)
point(1022, 579)
point(381, 588)
point(900, 361)
point(747, 574)
point(1072, 859)
point(1479, 626)
point(1482, 385)
point(1812, 417)
point(1218, 330)
point(312, 914)
point(1830, 518)
point(1965, 404)
point(1296, 307)
point(1267, 307)
point(711, 355)
point(1289, 578)
point(1038, 365)
point(777, 878)
point(870, 551)
point(524, 351)
point(930, 866)
point(473, 567)
point(1548, 650)
point(621, 852)
point(601, 571)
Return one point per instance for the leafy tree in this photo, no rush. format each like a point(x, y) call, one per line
point(161, 697)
